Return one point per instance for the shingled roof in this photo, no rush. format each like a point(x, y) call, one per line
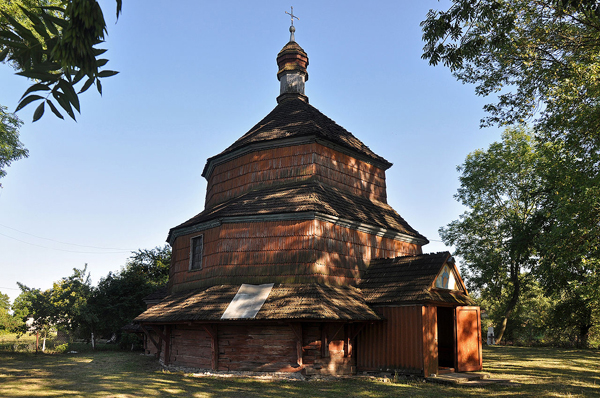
point(285, 302)
point(408, 279)
point(307, 196)
point(294, 118)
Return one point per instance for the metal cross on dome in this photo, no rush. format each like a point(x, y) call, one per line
point(292, 16)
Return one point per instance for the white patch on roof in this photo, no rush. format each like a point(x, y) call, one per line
point(248, 301)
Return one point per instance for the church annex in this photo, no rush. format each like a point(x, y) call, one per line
point(297, 262)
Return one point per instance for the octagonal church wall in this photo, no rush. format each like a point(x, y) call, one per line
point(295, 251)
point(295, 163)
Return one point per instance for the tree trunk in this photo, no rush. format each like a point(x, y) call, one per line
point(584, 334)
point(509, 307)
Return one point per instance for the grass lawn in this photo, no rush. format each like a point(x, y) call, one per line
point(541, 371)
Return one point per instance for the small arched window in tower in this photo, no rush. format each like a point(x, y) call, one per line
point(196, 249)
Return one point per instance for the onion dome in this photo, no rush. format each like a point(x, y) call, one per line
point(292, 62)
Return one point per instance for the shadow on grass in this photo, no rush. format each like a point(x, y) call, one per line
point(542, 372)
point(558, 372)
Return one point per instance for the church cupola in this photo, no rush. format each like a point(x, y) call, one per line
point(292, 62)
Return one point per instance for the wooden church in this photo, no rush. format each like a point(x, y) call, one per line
point(297, 262)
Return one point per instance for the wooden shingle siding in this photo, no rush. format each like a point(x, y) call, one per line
point(300, 162)
point(282, 251)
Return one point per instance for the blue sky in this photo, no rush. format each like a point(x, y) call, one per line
point(194, 77)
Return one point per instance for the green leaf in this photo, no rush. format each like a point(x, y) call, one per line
point(119, 7)
point(41, 75)
point(51, 19)
point(10, 35)
point(3, 54)
point(98, 51)
point(39, 112)
point(101, 62)
point(10, 43)
point(36, 87)
point(49, 23)
point(107, 73)
point(99, 86)
point(27, 100)
point(38, 24)
point(24, 32)
point(70, 93)
point(54, 110)
point(64, 103)
point(87, 85)
point(78, 76)
point(49, 66)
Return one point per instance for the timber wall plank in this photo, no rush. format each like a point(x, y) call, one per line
point(295, 163)
point(282, 251)
point(395, 344)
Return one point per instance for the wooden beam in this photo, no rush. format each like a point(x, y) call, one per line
point(157, 345)
point(356, 330)
point(213, 332)
point(160, 334)
point(297, 329)
point(347, 345)
point(324, 341)
point(167, 339)
point(337, 331)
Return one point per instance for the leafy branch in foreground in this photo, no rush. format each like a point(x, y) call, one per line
point(11, 148)
point(56, 48)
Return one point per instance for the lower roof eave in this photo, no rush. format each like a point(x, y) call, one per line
point(420, 302)
point(175, 232)
point(250, 321)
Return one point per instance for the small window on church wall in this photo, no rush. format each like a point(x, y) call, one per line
point(197, 246)
point(446, 279)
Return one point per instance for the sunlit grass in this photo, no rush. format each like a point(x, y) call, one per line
point(540, 372)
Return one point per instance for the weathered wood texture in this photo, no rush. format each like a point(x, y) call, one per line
point(295, 163)
point(283, 252)
point(243, 347)
point(332, 358)
point(190, 347)
point(430, 340)
point(260, 347)
point(395, 344)
point(468, 338)
point(149, 347)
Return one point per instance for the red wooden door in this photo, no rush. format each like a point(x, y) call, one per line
point(468, 339)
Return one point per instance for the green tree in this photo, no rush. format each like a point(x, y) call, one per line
point(34, 305)
point(11, 148)
point(69, 302)
point(572, 318)
point(543, 53)
point(529, 322)
point(496, 236)
point(5, 317)
point(541, 59)
point(56, 46)
point(119, 297)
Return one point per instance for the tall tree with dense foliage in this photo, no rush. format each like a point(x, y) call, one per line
point(119, 297)
point(541, 59)
point(542, 53)
point(5, 318)
point(34, 305)
point(69, 300)
point(496, 236)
